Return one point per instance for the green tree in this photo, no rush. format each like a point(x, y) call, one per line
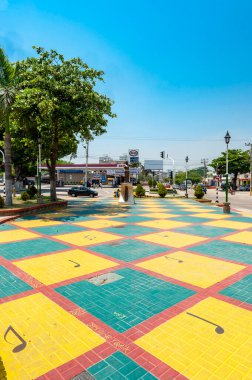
point(238, 162)
point(8, 81)
point(57, 102)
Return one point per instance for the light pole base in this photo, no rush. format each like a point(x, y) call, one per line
point(226, 208)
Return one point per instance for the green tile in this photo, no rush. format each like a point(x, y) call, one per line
point(16, 250)
point(207, 231)
point(60, 229)
point(128, 250)
point(127, 302)
point(240, 290)
point(11, 284)
point(240, 253)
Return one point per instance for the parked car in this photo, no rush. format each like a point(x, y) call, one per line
point(244, 188)
point(82, 191)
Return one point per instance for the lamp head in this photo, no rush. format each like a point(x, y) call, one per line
point(227, 138)
point(39, 140)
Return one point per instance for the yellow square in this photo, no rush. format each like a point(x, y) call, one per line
point(36, 223)
point(244, 237)
point(111, 215)
point(62, 266)
point(193, 269)
point(99, 223)
point(210, 215)
point(164, 224)
point(213, 336)
point(86, 237)
point(56, 214)
point(13, 235)
point(159, 215)
point(229, 224)
point(43, 334)
point(173, 239)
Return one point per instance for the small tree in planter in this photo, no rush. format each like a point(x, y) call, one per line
point(162, 191)
point(154, 183)
point(199, 192)
point(140, 191)
point(150, 182)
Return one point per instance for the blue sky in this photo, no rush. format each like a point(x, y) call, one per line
point(180, 72)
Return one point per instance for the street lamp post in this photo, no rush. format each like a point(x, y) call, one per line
point(226, 208)
point(250, 144)
point(186, 160)
point(39, 168)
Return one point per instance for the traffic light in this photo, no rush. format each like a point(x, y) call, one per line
point(171, 174)
point(162, 154)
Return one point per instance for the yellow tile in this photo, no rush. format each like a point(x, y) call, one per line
point(62, 266)
point(111, 215)
point(13, 235)
point(52, 215)
point(244, 237)
point(173, 239)
point(164, 224)
point(99, 223)
point(229, 224)
point(194, 269)
point(160, 343)
point(210, 215)
point(87, 237)
point(159, 215)
point(36, 223)
point(52, 337)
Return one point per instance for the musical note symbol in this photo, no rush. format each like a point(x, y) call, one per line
point(218, 330)
point(172, 258)
point(19, 347)
point(77, 264)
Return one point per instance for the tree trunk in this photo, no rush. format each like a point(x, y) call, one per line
point(8, 175)
point(53, 193)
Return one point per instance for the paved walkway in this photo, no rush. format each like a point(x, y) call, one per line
point(158, 290)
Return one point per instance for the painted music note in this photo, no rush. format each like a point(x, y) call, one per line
point(172, 258)
point(20, 346)
point(77, 264)
point(218, 330)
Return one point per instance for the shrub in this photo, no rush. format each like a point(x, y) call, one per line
point(25, 196)
point(140, 191)
point(150, 182)
point(32, 191)
point(154, 183)
point(199, 192)
point(162, 191)
point(1, 202)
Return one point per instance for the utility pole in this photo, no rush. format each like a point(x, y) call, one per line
point(250, 144)
point(86, 168)
point(204, 161)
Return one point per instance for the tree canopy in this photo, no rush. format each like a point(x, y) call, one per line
point(57, 103)
point(238, 162)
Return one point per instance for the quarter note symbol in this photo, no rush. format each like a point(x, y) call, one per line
point(172, 258)
point(218, 330)
point(20, 346)
point(77, 264)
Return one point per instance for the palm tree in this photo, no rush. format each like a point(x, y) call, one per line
point(8, 75)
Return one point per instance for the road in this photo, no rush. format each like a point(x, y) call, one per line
point(241, 200)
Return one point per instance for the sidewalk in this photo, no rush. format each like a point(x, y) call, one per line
point(157, 290)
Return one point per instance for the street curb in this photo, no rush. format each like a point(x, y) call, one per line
point(25, 210)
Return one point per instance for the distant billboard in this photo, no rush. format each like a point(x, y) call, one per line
point(153, 165)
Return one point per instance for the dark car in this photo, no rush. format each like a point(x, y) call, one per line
point(244, 188)
point(82, 190)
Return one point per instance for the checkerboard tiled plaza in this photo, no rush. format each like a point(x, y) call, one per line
point(158, 290)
